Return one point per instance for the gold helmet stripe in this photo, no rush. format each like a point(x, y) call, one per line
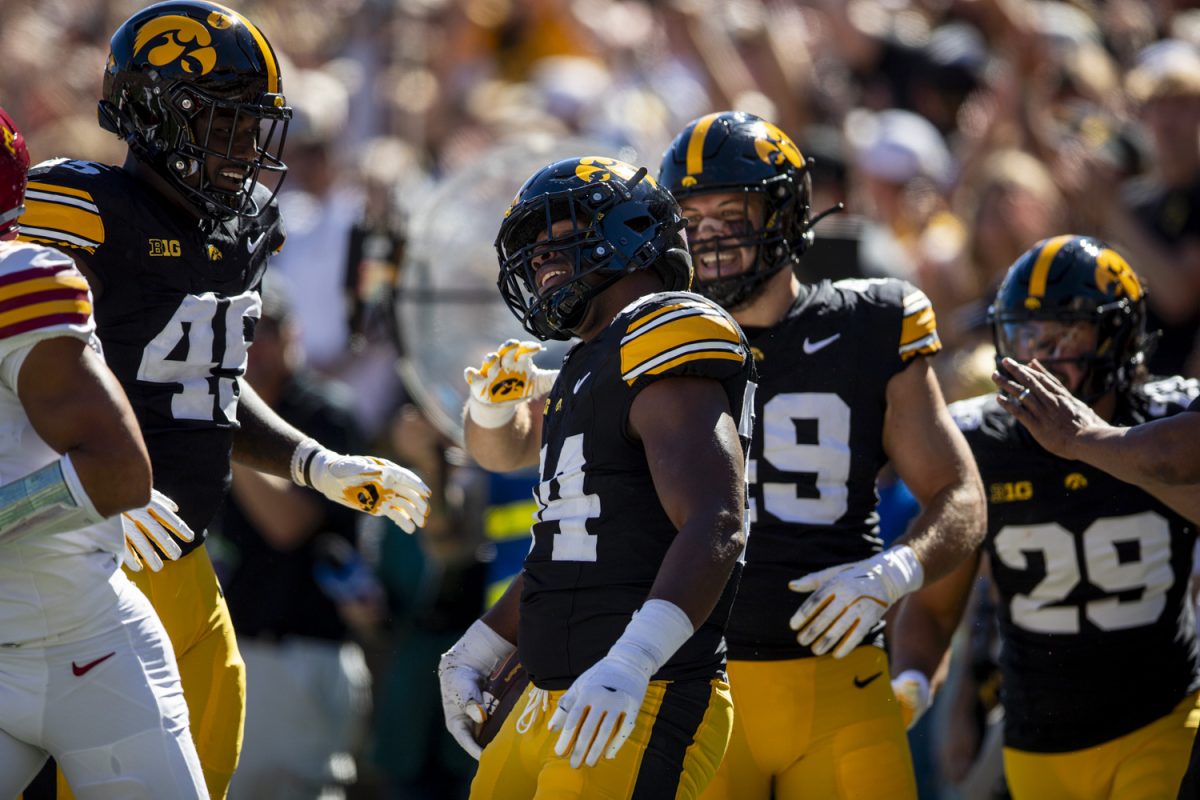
point(1041, 267)
point(695, 151)
point(268, 54)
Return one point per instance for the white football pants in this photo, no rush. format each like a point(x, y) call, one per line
point(108, 706)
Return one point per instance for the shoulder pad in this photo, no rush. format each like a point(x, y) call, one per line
point(1166, 396)
point(968, 414)
point(60, 207)
point(918, 327)
point(862, 285)
point(664, 331)
point(42, 290)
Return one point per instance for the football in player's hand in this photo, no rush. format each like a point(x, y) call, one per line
point(500, 693)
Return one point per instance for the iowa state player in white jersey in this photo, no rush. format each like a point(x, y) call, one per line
point(87, 674)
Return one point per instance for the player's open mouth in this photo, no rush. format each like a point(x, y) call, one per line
point(714, 265)
point(232, 177)
point(551, 275)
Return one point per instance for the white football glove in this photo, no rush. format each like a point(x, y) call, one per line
point(462, 672)
point(911, 688)
point(372, 485)
point(506, 378)
point(157, 523)
point(848, 600)
point(599, 712)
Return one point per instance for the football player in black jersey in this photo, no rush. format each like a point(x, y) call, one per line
point(1160, 456)
point(845, 386)
point(619, 611)
point(174, 244)
point(1092, 572)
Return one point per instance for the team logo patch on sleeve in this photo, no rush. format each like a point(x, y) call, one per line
point(676, 334)
point(42, 297)
point(918, 332)
point(61, 216)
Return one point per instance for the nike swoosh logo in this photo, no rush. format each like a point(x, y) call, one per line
point(86, 668)
point(252, 244)
point(812, 347)
point(579, 382)
point(862, 683)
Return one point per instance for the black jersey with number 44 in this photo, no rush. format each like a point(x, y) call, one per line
point(1098, 632)
point(601, 532)
point(823, 373)
point(175, 313)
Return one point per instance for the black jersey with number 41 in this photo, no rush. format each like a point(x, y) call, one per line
point(601, 532)
point(175, 313)
point(1098, 632)
point(823, 373)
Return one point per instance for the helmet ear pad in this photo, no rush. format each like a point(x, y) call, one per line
point(675, 268)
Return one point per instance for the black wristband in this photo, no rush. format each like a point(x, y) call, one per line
point(306, 472)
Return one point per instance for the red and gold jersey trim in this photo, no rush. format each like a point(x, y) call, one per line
point(42, 298)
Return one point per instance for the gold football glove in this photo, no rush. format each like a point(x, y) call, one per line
point(506, 378)
point(371, 485)
point(153, 530)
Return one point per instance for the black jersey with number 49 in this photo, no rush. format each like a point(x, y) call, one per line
point(601, 532)
point(1097, 626)
point(175, 313)
point(818, 444)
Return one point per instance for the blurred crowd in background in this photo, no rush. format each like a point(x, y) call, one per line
point(956, 132)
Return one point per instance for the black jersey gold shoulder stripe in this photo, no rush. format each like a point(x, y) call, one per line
point(676, 334)
point(60, 215)
point(918, 330)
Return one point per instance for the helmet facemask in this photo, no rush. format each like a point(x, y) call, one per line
point(177, 141)
point(1113, 362)
point(769, 239)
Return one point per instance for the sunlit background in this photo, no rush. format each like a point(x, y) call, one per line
point(957, 132)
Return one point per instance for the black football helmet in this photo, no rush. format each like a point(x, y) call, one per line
point(177, 63)
point(735, 151)
point(1073, 279)
point(621, 221)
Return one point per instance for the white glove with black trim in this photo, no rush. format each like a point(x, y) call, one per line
point(506, 378)
point(600, 710)
point(462, 672)
point(848, 600)
point(157, 523)
point(371, 485)
point(911, 688)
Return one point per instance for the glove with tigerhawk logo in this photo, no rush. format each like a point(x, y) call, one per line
point(157, 523)
point(911, 688)
point(371, 485)
point(848, 600)
point(506, 378)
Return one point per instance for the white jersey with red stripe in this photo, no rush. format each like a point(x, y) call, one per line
point(52, 586)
